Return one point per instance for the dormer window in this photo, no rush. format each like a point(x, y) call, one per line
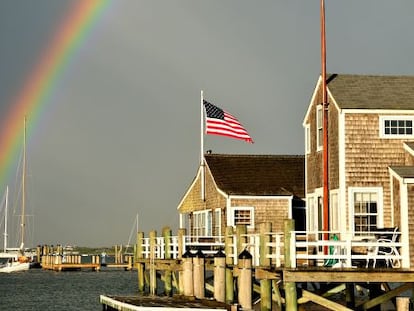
point(396, 127)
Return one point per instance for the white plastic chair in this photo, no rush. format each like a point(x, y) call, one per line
point(390, 251)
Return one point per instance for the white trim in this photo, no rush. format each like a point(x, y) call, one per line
point(380, 205)
point(262, 197)
point(312, 101)
point(319, 126)
point(218, 209)
point(308, 148)
point(391, 196)
point(189, 188)
point(409, 180)
point(405, 249)
point(384, 118)
point(332, 193)
point(341, 160)
point(378, 111)
point(408, 149)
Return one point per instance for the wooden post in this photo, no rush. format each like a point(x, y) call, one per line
point(181, 250)
point(166, 233)
point(265, 285)
point(241, 231)
point(220, 276)
point(403, 303)
point(350, 295)
point(153, 272)
point(199, 274)
point(229, 265)
point(245, 280)
point(140, 266)
point(290, 287)
point(188, 286)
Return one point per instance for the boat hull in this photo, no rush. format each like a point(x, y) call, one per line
point(15, 267)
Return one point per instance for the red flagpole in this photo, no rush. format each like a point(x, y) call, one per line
point(325, 106)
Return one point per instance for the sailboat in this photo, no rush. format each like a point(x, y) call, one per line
point(13, 261)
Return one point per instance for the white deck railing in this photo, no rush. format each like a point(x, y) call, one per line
point(345, 250)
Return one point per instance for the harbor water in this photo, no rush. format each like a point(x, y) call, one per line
point(39, 289)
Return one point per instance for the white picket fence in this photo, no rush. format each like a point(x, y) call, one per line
point(344, 252)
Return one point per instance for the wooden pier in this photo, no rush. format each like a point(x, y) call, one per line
point(68, 263)
point(149, 303)
point(270, 273)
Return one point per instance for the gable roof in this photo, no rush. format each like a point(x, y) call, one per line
point(258, 174)
point(372, 92)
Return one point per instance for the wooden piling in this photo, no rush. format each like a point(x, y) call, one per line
point(403, 303)
point(241, 231)
point(153, 272)
point(199, 275)
point(166, 233)
point(265, 285)
point(140, 266)
point(290, 287)
point(229, 263)
point(245, 280)
point(187, 262)
point(220, 276)
point(181, 235)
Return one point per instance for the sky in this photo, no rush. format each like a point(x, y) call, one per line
point(119, 135)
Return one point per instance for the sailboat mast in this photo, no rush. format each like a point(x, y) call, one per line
point(23, 218)
point(5, 218)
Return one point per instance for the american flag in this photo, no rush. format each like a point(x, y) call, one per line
point(220, 122)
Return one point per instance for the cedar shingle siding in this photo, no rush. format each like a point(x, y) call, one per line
point(268, 183)
point(358, 154)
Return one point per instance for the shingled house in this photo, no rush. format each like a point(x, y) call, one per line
point(244, 189)
point(371, 156)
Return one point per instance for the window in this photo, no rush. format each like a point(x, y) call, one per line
point(319, 127)
point(396, 127)
point(307, 139)
point(243, 216)
point(367, 207)
point(202, 223)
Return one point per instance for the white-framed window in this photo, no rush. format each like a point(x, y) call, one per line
point(366, 206)
point(242, 216)
point(396, 126)
point(307, 139)
point(202, 223)
point(319, 127)
point(217, 222)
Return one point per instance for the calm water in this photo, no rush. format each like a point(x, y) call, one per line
point(39, 289)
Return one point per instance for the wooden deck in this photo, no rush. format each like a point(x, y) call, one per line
point(144, 303)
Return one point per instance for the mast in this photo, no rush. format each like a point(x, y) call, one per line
point(23, 218)
point(325, 106)
point(5, 218)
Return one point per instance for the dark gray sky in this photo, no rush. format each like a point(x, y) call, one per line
point(120, 135)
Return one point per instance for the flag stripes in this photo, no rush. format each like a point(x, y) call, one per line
point(220, 122)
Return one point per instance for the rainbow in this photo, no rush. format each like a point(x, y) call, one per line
point(39, 84)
